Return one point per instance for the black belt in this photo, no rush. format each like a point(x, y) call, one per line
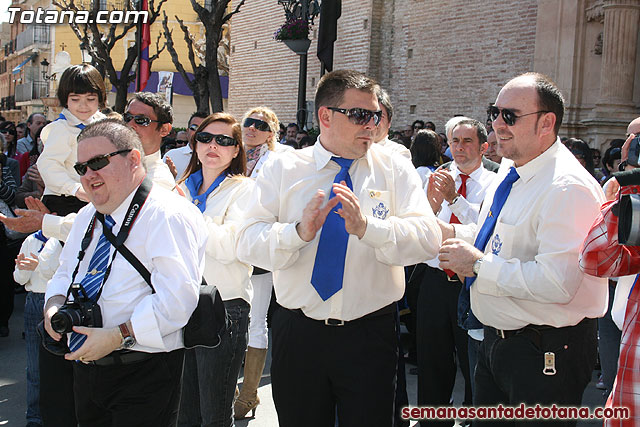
point(534, 331)
point(122, 358)
point(441, 272)
point(391, 308)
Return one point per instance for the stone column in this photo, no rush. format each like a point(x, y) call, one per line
point(615, 107)
point(621, 24)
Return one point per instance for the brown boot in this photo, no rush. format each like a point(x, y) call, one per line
point(248, 398)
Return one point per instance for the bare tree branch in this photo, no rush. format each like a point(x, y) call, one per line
point(230, 14)
point(158, 50)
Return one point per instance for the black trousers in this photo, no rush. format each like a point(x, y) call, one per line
point(57, 405)
point(316, 368)
point(510, 371)
point(145, 393)
point(8, 252)
point(439, 341)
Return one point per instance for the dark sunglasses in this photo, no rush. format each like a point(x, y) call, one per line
point(260, 125)
point(508, 116)
point(359, 116)
point(140, 120)
point(97, 162)
point(222, 140)
point(4, 130)
point(193, 127)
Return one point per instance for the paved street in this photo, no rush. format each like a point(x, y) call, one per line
point(13, 388)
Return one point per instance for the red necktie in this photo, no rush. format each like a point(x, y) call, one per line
point(462, 191)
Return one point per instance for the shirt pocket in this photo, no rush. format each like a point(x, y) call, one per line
point(376, 203)
point(501, 243)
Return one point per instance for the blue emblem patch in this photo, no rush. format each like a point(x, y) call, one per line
point(380, 211)
point(496, 244)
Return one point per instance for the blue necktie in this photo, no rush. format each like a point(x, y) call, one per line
point(492, 217)
point(95, 274)
point(328, 268)
point(79, 126)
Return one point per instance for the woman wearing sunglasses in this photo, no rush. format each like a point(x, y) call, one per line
point(260, 128)
point(214, 181)
point(8, 130)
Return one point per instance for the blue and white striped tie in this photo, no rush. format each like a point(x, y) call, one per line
point(93, 279)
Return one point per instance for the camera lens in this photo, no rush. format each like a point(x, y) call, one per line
point(65, 319)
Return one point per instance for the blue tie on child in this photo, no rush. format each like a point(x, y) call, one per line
point(328, 268)
point(93, 279)
point(492, 217)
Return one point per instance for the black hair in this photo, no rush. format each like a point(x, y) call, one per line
point(81, 79)
point(425, 150)
point(333, 85)
point(163, 110)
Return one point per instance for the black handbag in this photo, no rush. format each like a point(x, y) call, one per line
point(209, 320)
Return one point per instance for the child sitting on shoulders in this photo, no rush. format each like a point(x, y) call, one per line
point(82, 93)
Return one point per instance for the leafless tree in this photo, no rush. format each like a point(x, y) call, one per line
point(205, 83)
point(100, 39)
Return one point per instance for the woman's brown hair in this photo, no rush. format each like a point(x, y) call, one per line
point(238, 164)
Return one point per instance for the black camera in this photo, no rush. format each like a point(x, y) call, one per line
point(634, 152)
point(81, 312)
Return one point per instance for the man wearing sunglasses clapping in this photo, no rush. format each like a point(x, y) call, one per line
point(129, 354)
point(335, 223)
point(151, 117)
point(521, 259)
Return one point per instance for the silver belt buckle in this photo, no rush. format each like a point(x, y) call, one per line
point(334, 322)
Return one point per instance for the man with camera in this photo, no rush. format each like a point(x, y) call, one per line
point(612, 249)
point(125, 338)
point(520, 261)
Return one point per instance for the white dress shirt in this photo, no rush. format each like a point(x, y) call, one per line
point(59, 227)
point(168, 240)
point(180, 158)
point(465, 208)
point(158, 171)
point(395, 147)
point(55, 164)
point(401, 230)
point(530, 272)
point(48, 262)
point(223, 215)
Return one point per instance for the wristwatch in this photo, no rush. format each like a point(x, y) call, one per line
point(128, 340)
point(476, 266)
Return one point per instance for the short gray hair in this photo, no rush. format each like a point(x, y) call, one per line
point(451, 123)
point(481, 131)
point(119, 134)
point(385, 101)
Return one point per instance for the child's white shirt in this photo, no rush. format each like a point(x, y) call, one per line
point(48, 262)
point(55, 164)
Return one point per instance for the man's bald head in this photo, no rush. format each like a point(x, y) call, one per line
point(634, 126)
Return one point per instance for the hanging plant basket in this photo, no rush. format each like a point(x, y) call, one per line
point(299, 46)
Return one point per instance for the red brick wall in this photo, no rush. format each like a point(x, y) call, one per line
point(463, 52)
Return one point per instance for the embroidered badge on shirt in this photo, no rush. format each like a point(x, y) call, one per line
point(496, 244)
point(380, 211)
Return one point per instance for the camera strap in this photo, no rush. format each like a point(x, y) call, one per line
point(139, 198)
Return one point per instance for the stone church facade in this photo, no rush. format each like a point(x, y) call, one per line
point(439, 58)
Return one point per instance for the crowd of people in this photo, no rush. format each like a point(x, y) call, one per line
point(471, 237)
